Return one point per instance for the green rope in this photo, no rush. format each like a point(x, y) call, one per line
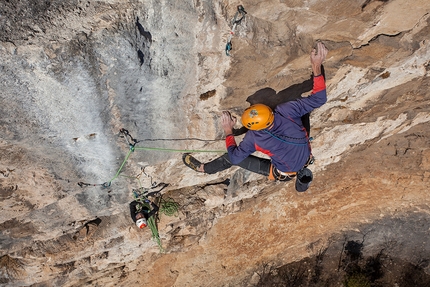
point(155, 235)
point(178, 150)
point(106, 184)
point(169, 207)
point(151, 221)
point(122, 165)
point(132, 149)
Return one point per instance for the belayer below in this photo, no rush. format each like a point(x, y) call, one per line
point(140, 213)
point(280, 134)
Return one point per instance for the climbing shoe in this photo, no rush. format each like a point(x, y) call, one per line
point(304, 179)
point(191, 162)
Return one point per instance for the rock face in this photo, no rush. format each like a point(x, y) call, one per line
point(74, 73)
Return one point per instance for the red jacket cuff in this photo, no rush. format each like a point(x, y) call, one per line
point(319, 84)
point(230, 141)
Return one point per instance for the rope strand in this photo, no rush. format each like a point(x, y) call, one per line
point(178, 150)
point(132, 147)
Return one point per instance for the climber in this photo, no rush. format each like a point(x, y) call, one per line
point(140, 217)
point(279, 134)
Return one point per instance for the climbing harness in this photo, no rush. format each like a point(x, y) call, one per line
point(276, 174)
point(240, 11)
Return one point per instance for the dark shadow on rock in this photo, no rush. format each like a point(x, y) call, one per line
point(141, 56)
point(87, 230)
point(269, 97)
point(142, 31)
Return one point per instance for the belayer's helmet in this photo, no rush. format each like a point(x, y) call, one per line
point(141, 223)
point(257, 117)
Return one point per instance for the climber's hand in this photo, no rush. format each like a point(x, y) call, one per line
point(228, 122)
point(318, 56)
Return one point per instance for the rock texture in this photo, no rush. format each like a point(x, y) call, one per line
point(73, 73)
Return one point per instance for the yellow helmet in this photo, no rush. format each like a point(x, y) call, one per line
point(257, 117)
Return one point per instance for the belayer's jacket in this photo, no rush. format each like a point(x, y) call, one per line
point(287, 142)
point(145, 210)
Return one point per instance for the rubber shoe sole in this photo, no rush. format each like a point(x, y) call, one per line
point(191, 162)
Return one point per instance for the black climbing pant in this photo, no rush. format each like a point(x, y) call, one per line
point(261, 166)
point(251, 163)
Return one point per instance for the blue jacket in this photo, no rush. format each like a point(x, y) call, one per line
point(286, 143)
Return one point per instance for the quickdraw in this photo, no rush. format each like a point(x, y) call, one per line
point(132, 142)
point(144, 192)
point(105, 184)
point(240, 11)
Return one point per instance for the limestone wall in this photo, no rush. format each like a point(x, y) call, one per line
point(73, 73)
